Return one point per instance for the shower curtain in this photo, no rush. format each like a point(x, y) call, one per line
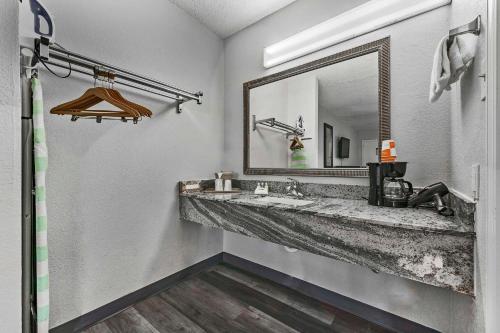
point(41, 158)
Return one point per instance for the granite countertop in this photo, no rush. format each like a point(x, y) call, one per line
point(353, 210)
point(417, 244)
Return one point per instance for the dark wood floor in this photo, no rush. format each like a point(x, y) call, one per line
point(224, 299)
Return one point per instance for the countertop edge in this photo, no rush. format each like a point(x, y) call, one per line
point(430, 229)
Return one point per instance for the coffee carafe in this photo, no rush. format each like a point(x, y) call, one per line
point(397, 192)
point(387, 186)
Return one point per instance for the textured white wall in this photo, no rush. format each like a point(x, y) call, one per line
point(10, 171)
point(422, 130)
point(284, 100)
point(112, 200)
point(114, 224)
point(468, 138)
point(268, 147)
point(340, 129)
point(468, 112)
point(303, 101)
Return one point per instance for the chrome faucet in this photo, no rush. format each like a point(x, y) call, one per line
point(293, 188)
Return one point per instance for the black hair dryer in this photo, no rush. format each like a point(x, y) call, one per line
point(432, 197)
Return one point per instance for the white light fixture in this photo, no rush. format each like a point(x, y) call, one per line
point(371, 16)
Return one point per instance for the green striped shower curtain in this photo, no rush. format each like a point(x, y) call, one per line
point(42, 264)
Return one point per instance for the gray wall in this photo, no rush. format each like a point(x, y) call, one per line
point(423, 134)
point(114, 229)
point(10, 171)
point(303, 101)
point(414, 120)
point(284, 100)
point(112, 200)
point(468, 112)
point(268, 147)
point(340, 129)
point(468, 139)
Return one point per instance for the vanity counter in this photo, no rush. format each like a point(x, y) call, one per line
point(354, 210)
point(417, 244)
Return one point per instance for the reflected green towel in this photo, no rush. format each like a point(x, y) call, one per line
point(298, 159)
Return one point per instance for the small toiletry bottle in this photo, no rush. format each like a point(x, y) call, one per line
point(219, 182)
point(266, 188)
point(228, 187)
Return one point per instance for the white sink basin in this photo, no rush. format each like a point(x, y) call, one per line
point(285, 201)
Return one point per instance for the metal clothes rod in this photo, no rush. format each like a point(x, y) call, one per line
point(473, 27)
point(63, 66)
point(57, 56)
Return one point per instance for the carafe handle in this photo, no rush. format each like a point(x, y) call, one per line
point(410, 187)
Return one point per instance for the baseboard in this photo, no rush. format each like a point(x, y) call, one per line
point(368, 312)
point(105, 311)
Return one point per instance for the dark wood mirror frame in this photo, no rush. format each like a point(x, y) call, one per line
point(383, 48)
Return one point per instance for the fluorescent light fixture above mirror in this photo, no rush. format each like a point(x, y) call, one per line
point(371, 16)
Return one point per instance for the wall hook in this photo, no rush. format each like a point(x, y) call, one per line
point(180, 101)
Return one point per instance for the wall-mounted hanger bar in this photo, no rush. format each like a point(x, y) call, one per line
point(120, 82)
point(57, 56)
point(473, 27)
point(273, 123)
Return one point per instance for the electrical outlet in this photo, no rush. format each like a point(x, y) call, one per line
point(484, 81)
point(475, 181)
point(484, 87)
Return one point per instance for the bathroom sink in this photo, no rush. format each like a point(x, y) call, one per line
point(285, 201)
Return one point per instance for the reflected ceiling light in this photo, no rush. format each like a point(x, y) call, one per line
point(373, 15)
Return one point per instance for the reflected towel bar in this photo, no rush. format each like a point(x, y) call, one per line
point(273, 123)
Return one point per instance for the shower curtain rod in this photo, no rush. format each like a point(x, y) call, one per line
point(55, 55)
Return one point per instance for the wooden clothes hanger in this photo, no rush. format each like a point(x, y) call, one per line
point(93, 96)
point(145, 112)
point(110, 77)
point(80, 107)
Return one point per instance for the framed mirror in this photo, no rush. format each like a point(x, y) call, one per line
point(324, 118)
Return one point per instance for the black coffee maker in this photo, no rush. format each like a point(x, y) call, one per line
point(387, 186)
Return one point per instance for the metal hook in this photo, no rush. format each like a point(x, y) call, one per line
point(111, 79)
point(180, 101)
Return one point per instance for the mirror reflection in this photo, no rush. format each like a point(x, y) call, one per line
point(325, 118)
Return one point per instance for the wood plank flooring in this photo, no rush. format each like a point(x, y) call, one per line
point(225, 299)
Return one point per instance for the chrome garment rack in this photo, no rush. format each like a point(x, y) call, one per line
point(273, 123)
point(48, 54)
point(473, 27)
point(57, 56)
